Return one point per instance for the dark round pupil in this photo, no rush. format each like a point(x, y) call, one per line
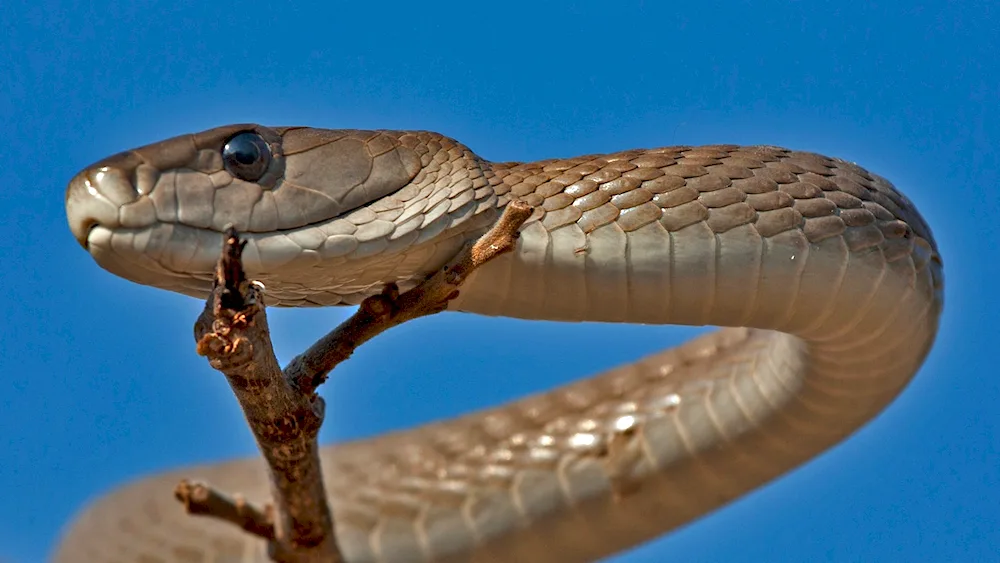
point(246, 156)
point(243, 151)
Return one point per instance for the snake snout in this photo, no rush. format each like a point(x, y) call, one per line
point(93, 199)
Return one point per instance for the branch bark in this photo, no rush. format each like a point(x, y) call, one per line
point(281, 406)
point(201, 498)
point(382, 312)
point(232, 332)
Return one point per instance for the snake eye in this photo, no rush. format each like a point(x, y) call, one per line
point(246, 156)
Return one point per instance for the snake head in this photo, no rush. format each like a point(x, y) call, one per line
point(303, 198)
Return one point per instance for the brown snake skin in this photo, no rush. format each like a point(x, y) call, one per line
point(834, 270)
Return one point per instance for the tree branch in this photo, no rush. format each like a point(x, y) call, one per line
point(382, 312)
point(285, 420)
point(200, 498)
point(232, 332)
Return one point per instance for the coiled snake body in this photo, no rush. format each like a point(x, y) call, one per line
point(834, 272)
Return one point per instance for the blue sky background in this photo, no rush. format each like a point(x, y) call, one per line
point(99, 382)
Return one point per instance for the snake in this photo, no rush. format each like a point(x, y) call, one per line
point(823, 279)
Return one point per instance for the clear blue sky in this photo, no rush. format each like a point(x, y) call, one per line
point(99, 382)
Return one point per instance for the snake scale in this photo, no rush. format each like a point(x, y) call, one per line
point(828, 281)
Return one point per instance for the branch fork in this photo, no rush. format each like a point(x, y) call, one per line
point(232, 333)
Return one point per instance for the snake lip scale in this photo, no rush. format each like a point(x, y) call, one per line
point(825, 278)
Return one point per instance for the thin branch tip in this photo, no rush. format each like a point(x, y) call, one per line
point(390, 308)
point(203, 500)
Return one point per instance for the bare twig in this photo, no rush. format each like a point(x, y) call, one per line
point(232, 332)
point(382, 312)
point(200, 498)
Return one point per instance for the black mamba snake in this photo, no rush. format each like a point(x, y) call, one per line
point(834, 271)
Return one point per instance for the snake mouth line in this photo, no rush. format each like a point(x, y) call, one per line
point(182, 258)
point(162, 244)
point(128, 252)
point(98, 197)
point(86, 228)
